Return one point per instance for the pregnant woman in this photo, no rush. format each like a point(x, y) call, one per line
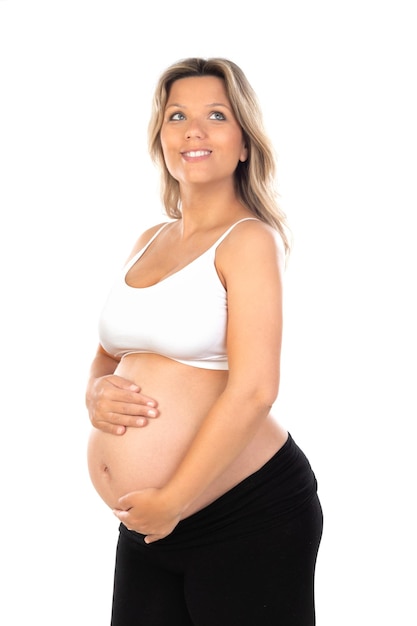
point(220, 518)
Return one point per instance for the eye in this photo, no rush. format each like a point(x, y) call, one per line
point(217, 115)
point(177, 117)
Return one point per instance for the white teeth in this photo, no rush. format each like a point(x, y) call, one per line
point(197, 153)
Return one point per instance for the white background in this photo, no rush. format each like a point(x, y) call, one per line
point(337, 83)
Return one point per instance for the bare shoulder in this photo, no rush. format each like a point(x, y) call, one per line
point(144, 238)
point(252, 241)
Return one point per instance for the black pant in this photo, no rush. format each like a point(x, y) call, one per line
point(247, 559)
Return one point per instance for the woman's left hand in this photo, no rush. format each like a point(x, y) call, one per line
point(148, 512)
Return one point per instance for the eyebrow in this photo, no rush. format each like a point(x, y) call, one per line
point(212, 104)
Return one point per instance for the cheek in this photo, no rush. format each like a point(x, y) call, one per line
point(162, 139)
point(164, 146)
point(240, 146)
point(171, 163)
point(165, 139)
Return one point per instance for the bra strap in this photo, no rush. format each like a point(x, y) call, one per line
point(245, 219)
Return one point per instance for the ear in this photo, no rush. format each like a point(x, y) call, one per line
point(244, 154)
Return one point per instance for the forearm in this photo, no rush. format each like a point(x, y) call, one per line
point(224, 434)
point(102, 365)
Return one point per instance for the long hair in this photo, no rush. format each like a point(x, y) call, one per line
point(254, 178)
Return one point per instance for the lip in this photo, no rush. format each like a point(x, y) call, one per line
point(193, 155)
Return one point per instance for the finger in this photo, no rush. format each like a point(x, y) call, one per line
point(136, 409)
point(124, 415)
point(130, 392)
point(124, 503)
point(150, 402)
point(136, 403)
point(133, 415)
point(119, 424)
point(123, 516)
point(122, 383)
point(109, 428)
point(153, 538)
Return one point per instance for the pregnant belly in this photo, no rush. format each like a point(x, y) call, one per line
point(142, 457)
point(147, 457)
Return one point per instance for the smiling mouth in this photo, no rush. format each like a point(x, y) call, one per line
point(196, 153)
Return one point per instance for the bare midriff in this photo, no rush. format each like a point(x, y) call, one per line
point(148, 456)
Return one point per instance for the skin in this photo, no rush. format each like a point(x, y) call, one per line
point(233, 432)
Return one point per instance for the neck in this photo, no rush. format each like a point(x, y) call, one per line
point(208, 207)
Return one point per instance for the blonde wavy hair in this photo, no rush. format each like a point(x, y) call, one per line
point(254, 178)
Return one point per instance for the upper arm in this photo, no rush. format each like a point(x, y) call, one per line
point(252, 266)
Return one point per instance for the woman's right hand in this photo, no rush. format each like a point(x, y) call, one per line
point(114, 403)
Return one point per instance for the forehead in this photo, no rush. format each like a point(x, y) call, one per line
point(206, 89)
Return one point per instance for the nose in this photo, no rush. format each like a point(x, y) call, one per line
point(194, 130)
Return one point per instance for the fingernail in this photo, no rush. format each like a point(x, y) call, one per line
point(152, 413)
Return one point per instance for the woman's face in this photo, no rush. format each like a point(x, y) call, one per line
point(201, 139)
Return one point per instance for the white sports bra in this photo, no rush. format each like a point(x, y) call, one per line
point(182, 317)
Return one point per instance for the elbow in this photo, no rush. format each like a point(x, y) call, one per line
point(256, 388)
point(265, 397)
point(262, 397)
